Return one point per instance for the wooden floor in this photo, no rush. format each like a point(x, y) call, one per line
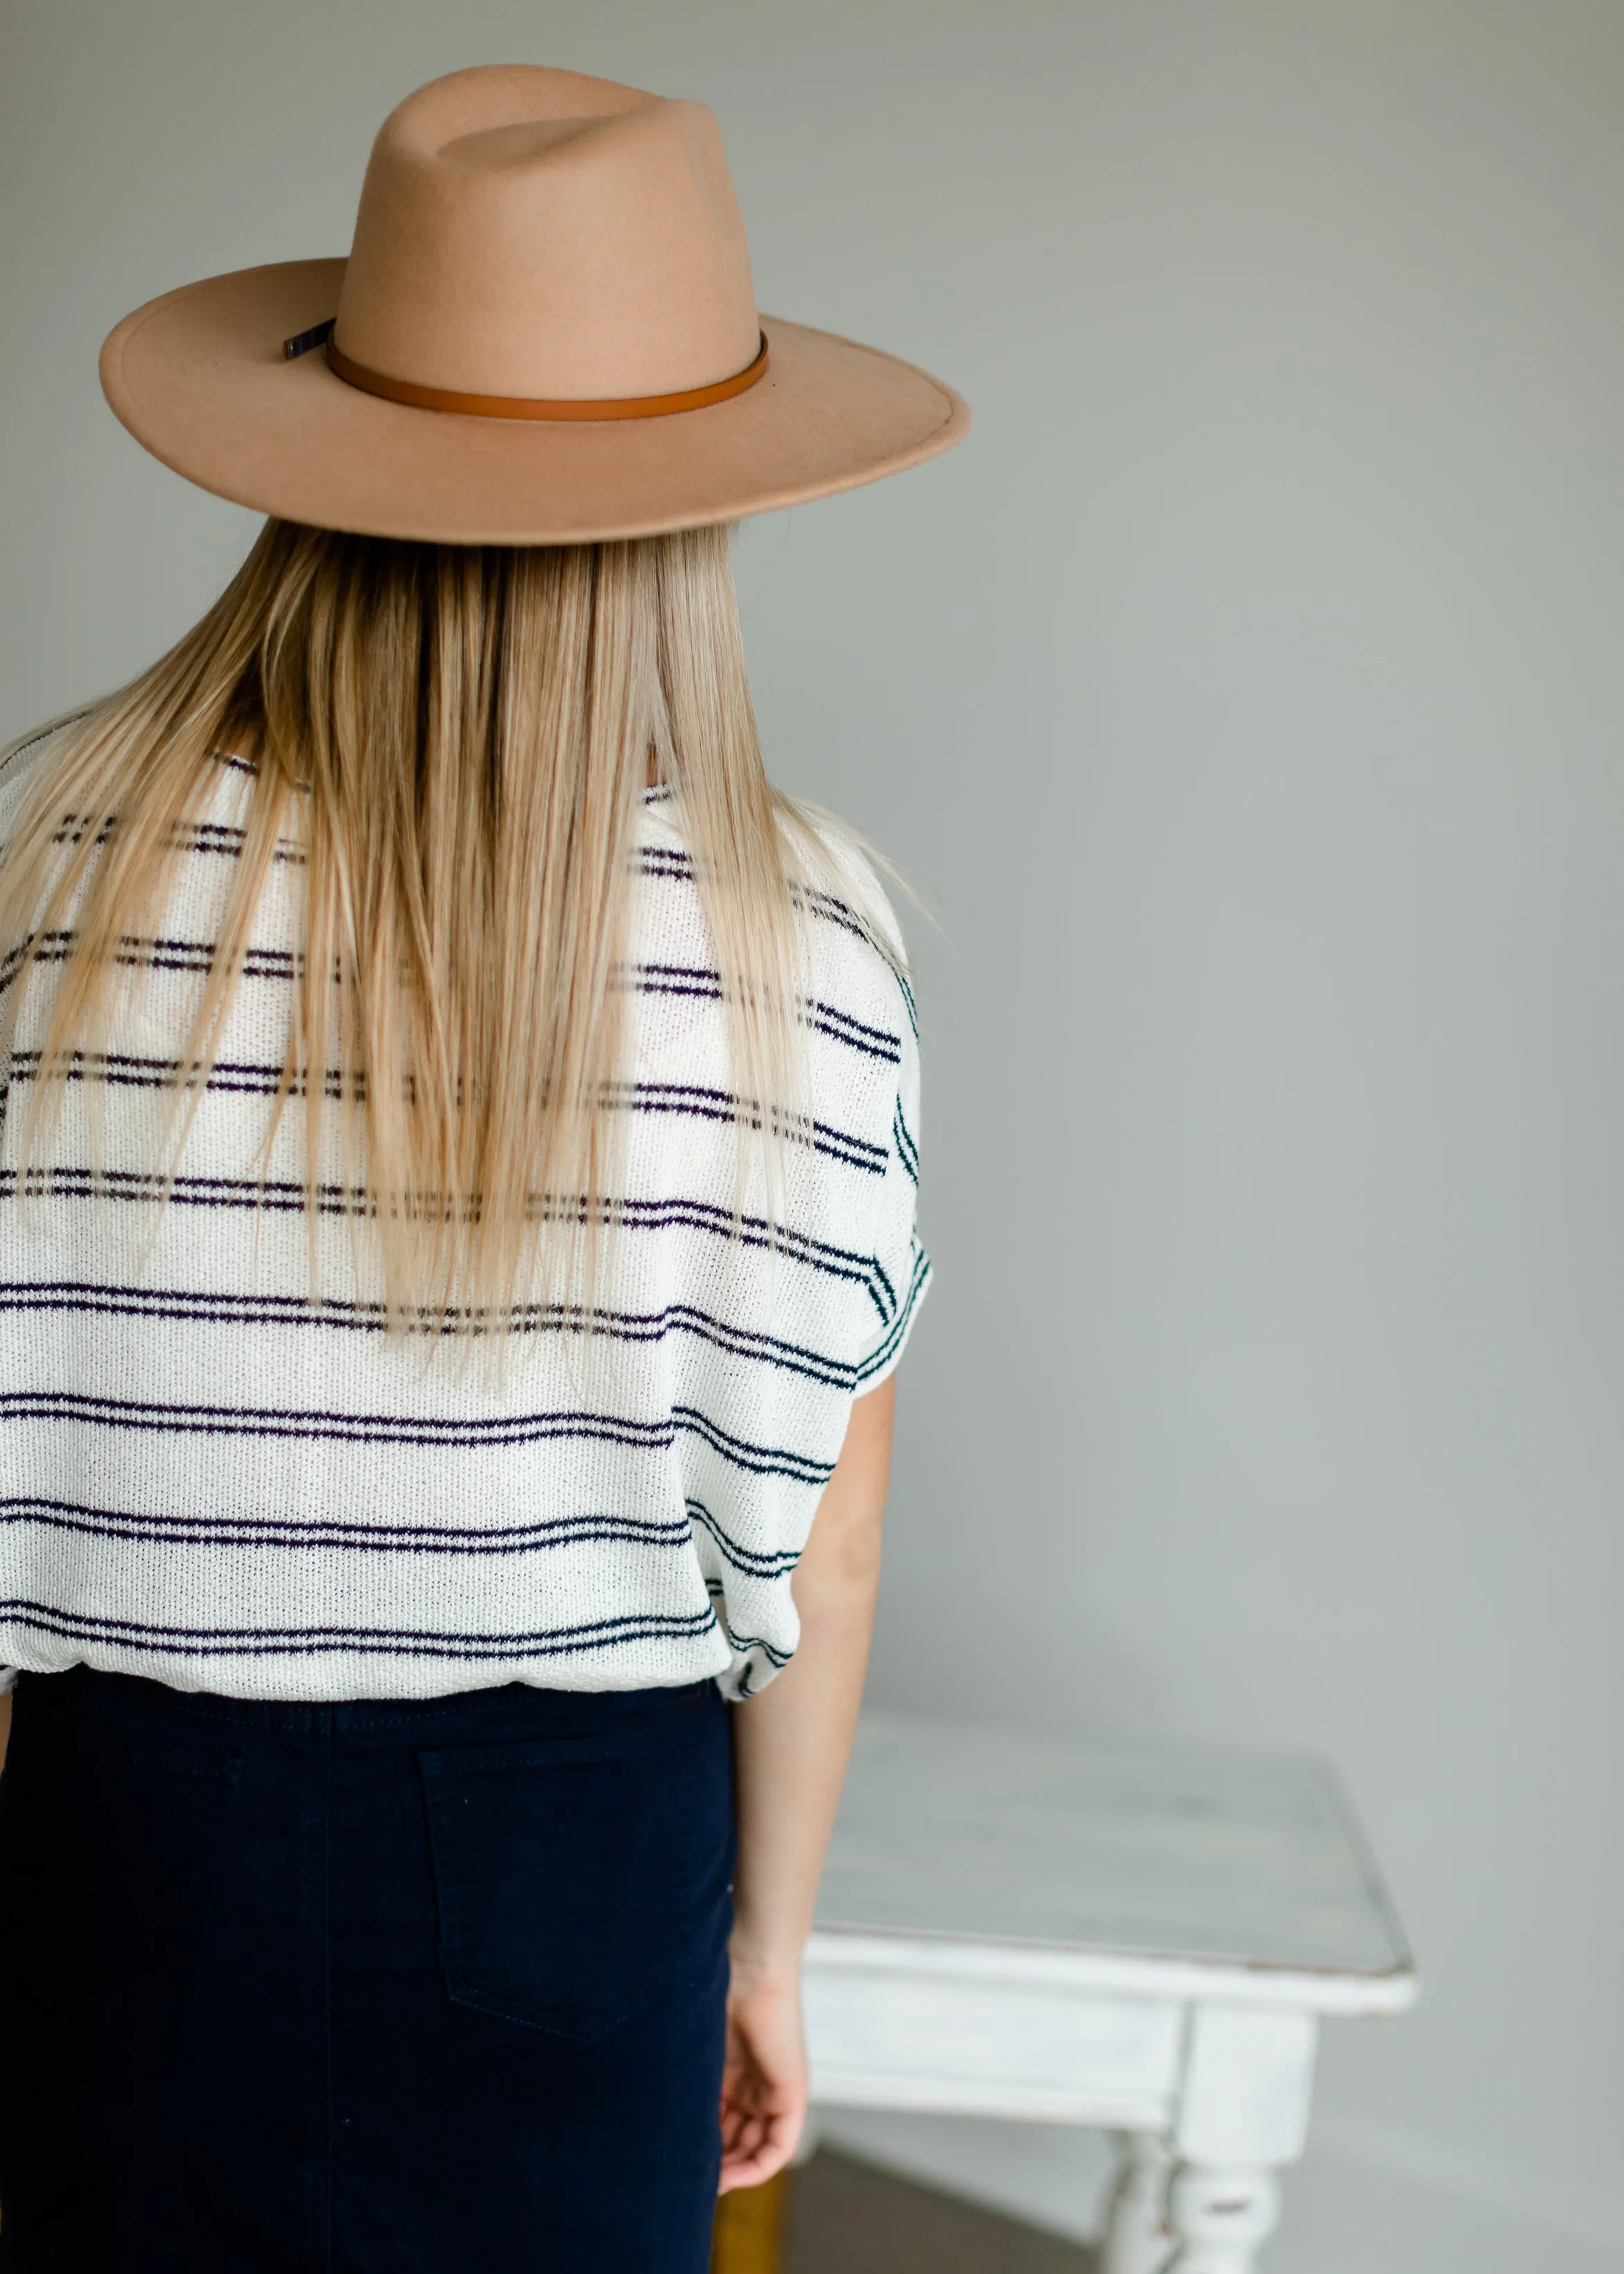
point(847, 2218)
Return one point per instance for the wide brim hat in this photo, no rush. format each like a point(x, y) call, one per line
point(545, 332)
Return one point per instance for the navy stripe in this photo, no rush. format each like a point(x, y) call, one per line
point(48, 948)
point(196, 955)
point(743, 1643)
point(667, 861)
point(282, 1195)
point(130, 1070)
point(469, 1433)
point(404, 1642)
point(840, 1026)
point(312, 1424)
point(705, 1103)
point(909, 1005)
point(751, 1232)
point(247, 766)
point(760, 1460)
point(225, 839)
point(221, 1529)
point(898, 1326)
point(758, 1565)
point(705, 984)
point(207, 1306)
point(279, 1195)
point(907, 1151)
point(677, 979)
point(268, 963)
point(662, 861)
point(273, 963)
point(837, 912)
point(832, 911)
point(199, 955)
point(73, 828)
point(739, 1644)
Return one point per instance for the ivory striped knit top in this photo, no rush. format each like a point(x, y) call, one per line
point(211, 1479)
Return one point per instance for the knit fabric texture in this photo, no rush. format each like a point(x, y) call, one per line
point(212, 1478)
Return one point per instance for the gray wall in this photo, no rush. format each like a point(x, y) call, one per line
point(1246, 697)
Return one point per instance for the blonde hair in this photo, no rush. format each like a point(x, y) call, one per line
point(459, 738)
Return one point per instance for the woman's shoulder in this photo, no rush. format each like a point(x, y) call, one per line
point(21, 761)
point(854, 941)
point(851, 942)
point(855, 954)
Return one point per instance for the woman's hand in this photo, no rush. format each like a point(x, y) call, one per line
point(764, 2079)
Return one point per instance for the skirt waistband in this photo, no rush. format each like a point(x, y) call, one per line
point(94, 1691)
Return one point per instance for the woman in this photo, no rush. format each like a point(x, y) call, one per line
point(456, 1232)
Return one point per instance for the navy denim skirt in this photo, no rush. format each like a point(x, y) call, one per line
point(390, 1987)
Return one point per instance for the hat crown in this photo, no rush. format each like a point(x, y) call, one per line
point(537, 233)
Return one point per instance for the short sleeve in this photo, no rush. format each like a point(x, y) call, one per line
point(902, 1265)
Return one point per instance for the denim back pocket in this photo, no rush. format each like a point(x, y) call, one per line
point(575, 1876)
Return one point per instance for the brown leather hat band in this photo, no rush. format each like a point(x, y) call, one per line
point(521, 406)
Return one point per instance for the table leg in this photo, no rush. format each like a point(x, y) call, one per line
point(1243, 2112)
point(1220, 2217)
point(1138, 2238)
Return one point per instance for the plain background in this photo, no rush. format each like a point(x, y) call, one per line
point(1245, 696)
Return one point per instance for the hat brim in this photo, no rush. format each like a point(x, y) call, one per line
point(200, 377)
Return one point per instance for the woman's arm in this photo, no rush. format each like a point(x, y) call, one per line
point(790, 1746)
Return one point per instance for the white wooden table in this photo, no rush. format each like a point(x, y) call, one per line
point(1134, 1935)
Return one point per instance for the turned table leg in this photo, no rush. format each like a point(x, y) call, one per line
point(1138, 2238)
point(1219, 2219)
point(1243, 2112)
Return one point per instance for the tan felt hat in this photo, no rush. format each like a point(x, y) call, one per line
point(545, 332)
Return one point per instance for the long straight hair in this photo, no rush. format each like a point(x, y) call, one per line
point(457, 738)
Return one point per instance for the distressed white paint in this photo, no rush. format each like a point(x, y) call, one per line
point(1140, 1935)
point(1135, 1847)
point(1247, 2082)
point(1114, 1973)
point(1138, 2236)
point(990, 2048)
point(1219, 2219)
